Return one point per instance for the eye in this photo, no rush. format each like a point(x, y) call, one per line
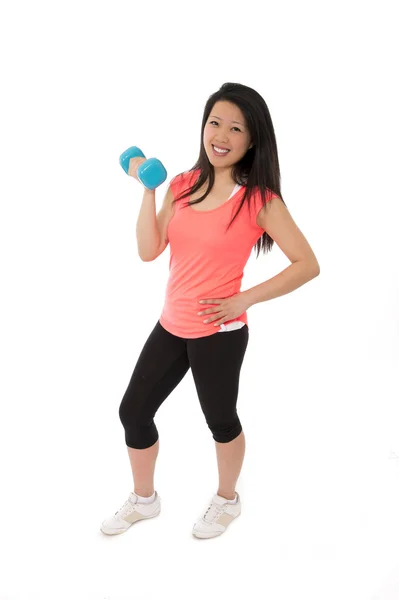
point(218, 124)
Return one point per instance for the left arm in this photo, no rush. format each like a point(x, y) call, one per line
point(290, 279)
point(276, 220)
point(278, 223)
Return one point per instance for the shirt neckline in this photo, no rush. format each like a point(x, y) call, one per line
point(217, 207)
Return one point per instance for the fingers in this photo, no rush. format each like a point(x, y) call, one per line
point(134, 164)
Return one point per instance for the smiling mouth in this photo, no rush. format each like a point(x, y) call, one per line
point(216, 153)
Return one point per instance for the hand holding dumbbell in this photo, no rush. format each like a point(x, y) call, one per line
point(150, 172)
point(133, 165)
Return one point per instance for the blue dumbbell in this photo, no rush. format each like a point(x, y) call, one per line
point(151, 172)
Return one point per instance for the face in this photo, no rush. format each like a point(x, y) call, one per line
point(226, 128)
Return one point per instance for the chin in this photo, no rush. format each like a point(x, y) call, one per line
point(219, 163)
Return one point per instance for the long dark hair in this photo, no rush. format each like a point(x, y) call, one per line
point(259, 167)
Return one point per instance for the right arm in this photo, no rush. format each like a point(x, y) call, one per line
point(151, 229)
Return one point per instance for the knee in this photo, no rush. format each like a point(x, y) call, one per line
point(126, 414)
point(140, 429)
point(132, 409)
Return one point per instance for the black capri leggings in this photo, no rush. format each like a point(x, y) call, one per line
point(215, 362)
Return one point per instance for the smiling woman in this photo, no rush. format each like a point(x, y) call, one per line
point(210, 246)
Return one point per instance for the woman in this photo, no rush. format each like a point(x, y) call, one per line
point(234, 201)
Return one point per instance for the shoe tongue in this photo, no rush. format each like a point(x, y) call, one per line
point(133, 498)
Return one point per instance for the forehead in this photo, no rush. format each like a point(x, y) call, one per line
point(228, 112)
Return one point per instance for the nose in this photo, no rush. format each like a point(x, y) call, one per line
point(222, 138)
point(222, 135)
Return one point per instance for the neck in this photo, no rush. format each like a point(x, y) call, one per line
point(223, 177)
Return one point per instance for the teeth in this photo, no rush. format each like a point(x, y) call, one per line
point(220, 150)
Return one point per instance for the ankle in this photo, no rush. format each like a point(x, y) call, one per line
point(227, 495)
point(144, 493)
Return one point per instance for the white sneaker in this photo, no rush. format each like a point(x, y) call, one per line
point(217, 517)
point(131, 512)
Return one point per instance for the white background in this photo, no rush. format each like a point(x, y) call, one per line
point(83, 81)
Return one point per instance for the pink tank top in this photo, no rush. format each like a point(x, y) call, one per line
point(206, 262)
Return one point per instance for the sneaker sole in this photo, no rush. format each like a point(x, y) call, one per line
point(206, 536)
point(111, 532)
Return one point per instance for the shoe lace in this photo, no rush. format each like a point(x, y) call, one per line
point(212, 512)
point(125, 509)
